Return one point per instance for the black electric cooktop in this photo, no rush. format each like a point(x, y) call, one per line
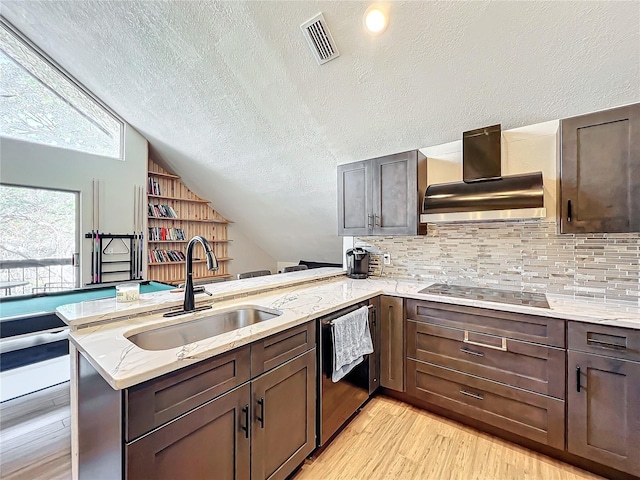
point(488, 295)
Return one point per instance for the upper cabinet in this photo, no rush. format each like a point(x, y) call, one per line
point(381, 196)
point(600, 172)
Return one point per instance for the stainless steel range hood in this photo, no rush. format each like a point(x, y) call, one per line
point(484, 194)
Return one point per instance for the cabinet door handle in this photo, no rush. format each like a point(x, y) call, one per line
point(502, 347)
point(245, 427)
point(261, 417)
point(578, 379)
point(602, 344)
point(472, 395)
point(471, 352)
point(568, 210)
point(370, 220)
point(376, 220)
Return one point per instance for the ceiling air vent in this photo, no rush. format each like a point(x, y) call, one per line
point(320, 39)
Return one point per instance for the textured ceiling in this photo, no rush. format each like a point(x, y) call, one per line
point(231, 97)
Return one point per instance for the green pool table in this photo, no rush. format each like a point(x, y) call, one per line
point(31, 331)
point(48, 302)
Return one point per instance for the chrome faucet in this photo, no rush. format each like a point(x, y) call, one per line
point(212, 264)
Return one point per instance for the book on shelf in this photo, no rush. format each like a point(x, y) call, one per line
point(153, 187)
point(165, 256)
point(162, 211)
point(166, 234)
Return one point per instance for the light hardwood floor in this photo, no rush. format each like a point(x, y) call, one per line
point(35, 436)
point(387, 440)
point(392, 440)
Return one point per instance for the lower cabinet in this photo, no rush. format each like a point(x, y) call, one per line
point(504, 369)
point(249, 413)
point(209, 442)
point(525, 365)
point(603, 403)
point(507, 370)
point(392, 355)
point(530, 415)
point(261, 430)
point(283, 430)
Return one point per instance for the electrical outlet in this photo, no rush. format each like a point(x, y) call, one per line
point(387, 259)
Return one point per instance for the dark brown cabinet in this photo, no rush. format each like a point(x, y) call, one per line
point(600, 172)
point(392, 355)
point(603, 399)
point(537, 417)
point(530, 366)
point(354, 199)
point(283, 432)
point(156, 402)
point(281, 347)
point(494, 324)
point(266, 426)
point(500, 368)
point(381, 196)
point(209, 442)
point(247, 413)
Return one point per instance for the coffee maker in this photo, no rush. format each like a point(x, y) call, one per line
point(357, 263)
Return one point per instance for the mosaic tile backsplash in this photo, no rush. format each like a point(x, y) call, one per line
point(529, 255)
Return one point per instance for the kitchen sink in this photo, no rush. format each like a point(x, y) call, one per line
point(179, 334)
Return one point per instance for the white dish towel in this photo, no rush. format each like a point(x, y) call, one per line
point(351, 341)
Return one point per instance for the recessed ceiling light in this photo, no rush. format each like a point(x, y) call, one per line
point(376, 19)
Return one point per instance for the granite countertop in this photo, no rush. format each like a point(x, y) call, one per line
point(95, 311)
point(123, 364)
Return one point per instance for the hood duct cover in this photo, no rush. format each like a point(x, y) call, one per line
point(510, 197)
point(485, 194)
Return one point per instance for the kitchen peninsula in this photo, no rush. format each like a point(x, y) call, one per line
point(100, 335)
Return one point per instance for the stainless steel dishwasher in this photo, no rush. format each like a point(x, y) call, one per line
point(337, 402)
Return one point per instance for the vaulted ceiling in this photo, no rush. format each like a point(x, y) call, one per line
point(228, 93)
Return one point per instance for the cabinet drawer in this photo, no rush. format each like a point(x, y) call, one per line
point(604, 340)
point(537, 417)
point(529, 328)
point(525, 365)
point(277, 349)
point(160, 400)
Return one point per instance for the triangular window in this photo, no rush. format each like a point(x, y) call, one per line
point(40, 103)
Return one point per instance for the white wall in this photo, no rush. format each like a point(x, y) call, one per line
point(527, 149)
point(247, 255)
point(35, 165)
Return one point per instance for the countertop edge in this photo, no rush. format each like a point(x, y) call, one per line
point(511, 308)
point(301, 302)
point(244, 339)
point(155, 302)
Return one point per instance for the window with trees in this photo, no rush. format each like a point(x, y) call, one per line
point(38, 240)
point(40, 103)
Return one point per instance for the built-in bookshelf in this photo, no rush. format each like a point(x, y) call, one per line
point(175, 215)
